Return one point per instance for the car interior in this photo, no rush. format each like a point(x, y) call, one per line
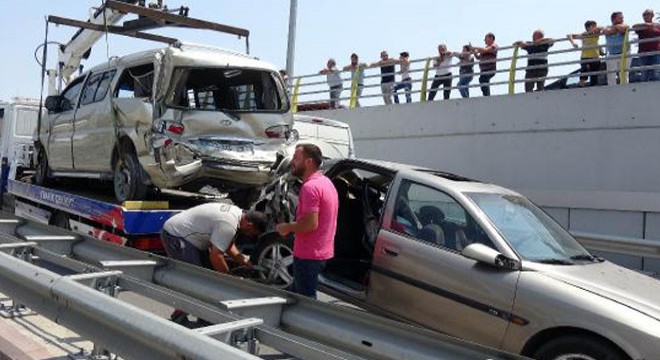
point(361, 200)
point(434, 217)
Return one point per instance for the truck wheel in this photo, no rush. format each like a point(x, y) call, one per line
point(129, 180)
point(42, 175)
point(274, 255)
point(579, 347)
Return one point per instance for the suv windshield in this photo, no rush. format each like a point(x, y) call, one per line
point(228, 89)
point(533, 234)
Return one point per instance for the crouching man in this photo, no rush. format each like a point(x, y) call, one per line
point(203, 234)
point(208, 232)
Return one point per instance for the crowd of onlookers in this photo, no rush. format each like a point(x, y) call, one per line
point(648, 33)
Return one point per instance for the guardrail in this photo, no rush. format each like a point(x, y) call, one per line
point(619, 244)
point(129, 331)
point(311, 91)
point(295, 325)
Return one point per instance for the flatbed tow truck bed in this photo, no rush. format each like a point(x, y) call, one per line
point(93, 212)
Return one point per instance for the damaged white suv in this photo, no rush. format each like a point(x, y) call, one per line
point(180, 117)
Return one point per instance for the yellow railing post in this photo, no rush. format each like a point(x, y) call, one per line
point(425, 79)
point(623, 77)
point(294, 99)
point(512, 71)
point(354, 87)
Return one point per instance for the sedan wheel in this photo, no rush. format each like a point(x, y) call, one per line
point(275, 257)
point(579, 347)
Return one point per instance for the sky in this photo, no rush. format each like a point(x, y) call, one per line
point(325, 29)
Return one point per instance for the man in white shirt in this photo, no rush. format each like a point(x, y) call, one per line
point(209, 231)
point(334, 82)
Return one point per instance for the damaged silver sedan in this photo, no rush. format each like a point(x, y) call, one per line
point(179, 117)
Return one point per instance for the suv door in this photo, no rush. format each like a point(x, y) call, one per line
point(60, 128)
point(94, 131)
point(419, 274)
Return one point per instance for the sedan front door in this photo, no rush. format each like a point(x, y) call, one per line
point(419, 274)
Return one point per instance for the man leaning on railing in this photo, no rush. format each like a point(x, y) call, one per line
point(614, 36)
point(334, 82)
point(357, 69)
point(406, 80)
point(649, 44)
point(537, 62)
point(590, 57)
point(487, 57)
point(387, 71)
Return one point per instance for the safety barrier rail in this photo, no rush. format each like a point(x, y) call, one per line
point(311, 91)
point(244, 313)
point(619, 244)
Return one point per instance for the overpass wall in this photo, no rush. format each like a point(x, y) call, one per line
point(590, 157)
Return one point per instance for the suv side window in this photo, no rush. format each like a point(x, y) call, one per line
point(136, 82)
point(71, 94)
point(97, 87)
point(430, 215)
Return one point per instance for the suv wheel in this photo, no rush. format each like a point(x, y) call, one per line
point(274, 255)
point(128, 178)
point(42, 175)
point(579, 347)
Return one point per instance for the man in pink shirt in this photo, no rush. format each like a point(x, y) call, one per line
point(316, 220)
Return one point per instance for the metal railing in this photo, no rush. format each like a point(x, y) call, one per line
point(244, 312)
point(619, 244)
point(312, 89)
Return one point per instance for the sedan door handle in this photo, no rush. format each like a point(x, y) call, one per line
point(390, 252)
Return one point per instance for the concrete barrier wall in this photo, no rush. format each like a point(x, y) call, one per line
point(591, 156)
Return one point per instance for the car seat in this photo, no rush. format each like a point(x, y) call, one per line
point(432, 233)
point(429, 214)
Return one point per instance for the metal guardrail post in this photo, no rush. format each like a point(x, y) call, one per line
point(294, 99)
point(512, 70)
point(425, 79)
point(623, 77)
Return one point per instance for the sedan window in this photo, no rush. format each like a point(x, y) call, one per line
point(433, 216)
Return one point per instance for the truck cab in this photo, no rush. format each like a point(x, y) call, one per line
point(18, 123)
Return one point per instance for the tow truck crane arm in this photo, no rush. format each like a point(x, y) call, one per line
point(104, 20)
point(78, 48)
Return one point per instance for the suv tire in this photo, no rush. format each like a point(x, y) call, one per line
point(129, 181)
point(42, 174)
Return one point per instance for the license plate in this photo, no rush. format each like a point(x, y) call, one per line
point(231, 147)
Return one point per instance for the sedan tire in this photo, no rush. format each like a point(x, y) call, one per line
point(579, 347)
point(274, 255)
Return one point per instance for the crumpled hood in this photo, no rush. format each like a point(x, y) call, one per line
point(628, 287)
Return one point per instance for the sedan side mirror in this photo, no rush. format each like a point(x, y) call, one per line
point(488, 255)
point(53, 103)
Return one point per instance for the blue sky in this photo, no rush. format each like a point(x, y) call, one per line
point(325, 29)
